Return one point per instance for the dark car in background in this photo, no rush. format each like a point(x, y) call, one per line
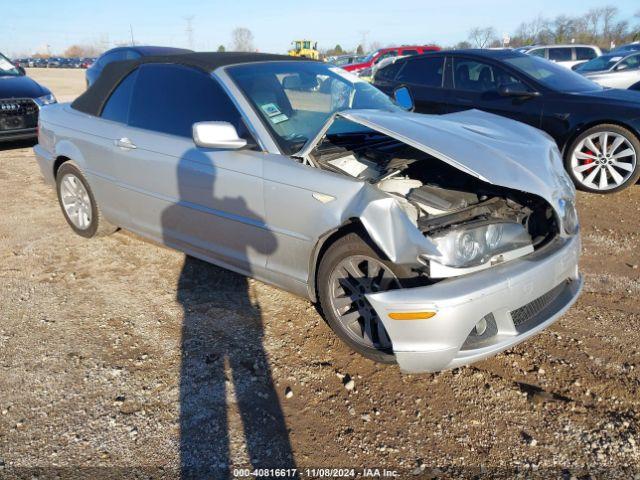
point(365, 66)
point(127, 53)
point(20, 101)
point(628, 48)
point(596, 129)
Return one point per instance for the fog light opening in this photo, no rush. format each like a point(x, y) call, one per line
point(482, 334)
point(480, 327)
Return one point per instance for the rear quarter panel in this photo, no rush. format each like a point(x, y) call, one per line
point(89, 142)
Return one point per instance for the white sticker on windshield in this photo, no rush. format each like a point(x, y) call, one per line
point(270, 109)
point(6, 65)
point(348, 76)
point(279, 118)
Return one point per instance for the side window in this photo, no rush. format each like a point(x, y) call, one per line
point(117, 107)
point(538, 52)
point(424, 71)
point(391, 53)
point(475, 76)
point(171, 98)
point(629, 63)
point(585, 53)
point(388, 72)
point(560, 54)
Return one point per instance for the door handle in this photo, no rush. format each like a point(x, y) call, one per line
point(125, 143)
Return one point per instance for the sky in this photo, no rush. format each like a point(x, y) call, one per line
point(28, 26)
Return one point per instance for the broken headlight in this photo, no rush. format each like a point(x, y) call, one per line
point(472, 246)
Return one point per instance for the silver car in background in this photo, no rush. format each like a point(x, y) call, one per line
point(614, 70)
point(569, 56)
point(430, 241)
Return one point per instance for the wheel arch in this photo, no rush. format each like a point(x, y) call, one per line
point(66, 151)
point(60, 159)
point(351, 225)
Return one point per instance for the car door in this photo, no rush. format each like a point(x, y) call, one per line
point(475, 84)
point(206, 202)
point(97, 143)
point(584, 54)
point(562, 56)
point(423, 75)
point(625, 73)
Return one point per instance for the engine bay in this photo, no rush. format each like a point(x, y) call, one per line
point(435, 196)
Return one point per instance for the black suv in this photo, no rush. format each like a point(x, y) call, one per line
point(597, 129)
point(20, 101)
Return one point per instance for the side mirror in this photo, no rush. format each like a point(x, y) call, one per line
point(516, 90)
point(403, 97)
point(217, 135)
point(21, 70)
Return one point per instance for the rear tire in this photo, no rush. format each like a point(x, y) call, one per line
point(78, 204)
point(604, 159)
point(350, 268)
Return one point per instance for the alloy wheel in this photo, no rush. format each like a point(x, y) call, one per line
point(603, 160)
point(350, 280)
point(75, 201)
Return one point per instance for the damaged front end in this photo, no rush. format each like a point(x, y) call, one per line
point(469, 218)
point(450, 196)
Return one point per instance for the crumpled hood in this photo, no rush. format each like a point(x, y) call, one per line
point(493, 148)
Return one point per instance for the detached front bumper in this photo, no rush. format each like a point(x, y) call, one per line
point(516, 300)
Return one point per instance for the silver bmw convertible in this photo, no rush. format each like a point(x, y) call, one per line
point(430, 241)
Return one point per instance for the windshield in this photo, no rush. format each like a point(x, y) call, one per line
point(604, 62)
point(338, 62)
point(369, 57)
point(552, 76)
point(295, 99)
point(7, 68)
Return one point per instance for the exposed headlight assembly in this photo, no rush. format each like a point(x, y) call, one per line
point(45, 100)
point(475, 245)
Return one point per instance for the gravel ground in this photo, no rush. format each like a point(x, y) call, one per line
point(121, 357)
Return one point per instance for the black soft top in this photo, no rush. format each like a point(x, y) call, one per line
point(94, 98)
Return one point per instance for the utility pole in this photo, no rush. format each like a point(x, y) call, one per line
point(133, 42)
point(363, 39)
point(189, 30)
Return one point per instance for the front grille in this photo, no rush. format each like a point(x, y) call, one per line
point(18, 114)
point(533, 308)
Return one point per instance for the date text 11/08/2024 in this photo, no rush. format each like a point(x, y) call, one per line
point(315, 472)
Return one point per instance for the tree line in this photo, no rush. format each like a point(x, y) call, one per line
point(601, 26)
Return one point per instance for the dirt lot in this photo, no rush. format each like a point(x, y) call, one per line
point(120, 354)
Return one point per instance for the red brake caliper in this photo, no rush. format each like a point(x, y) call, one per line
point(587, 161)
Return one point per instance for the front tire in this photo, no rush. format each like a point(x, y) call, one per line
point(349, 269)
point(604, 159)
point(78, 204)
